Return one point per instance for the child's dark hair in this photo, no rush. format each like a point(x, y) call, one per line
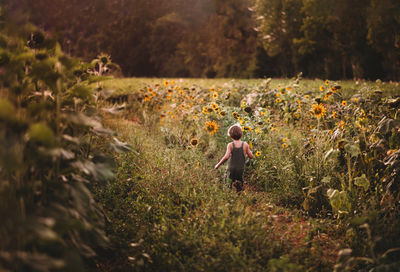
point(235, 132)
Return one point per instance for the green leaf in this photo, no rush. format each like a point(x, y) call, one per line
point(7, 110)
point(82, 92)
point(352, 149)
point(362, 182)
point(41, 133)
point(332, 153)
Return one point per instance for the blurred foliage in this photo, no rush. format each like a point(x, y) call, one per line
point(220, 38)
point(52, 152)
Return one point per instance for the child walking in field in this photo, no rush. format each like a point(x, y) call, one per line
point(236, 153)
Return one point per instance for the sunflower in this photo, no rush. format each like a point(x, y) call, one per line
point(288, 88)
point(222, 113)
point(246, 128)
point(172, 82)
point(214, 106)
point(248, 109)
point(344, 103)
point(326, 82)
point(319, 110)
point(166, 82)
point(235, 115)
point(194, 142)
point(334, 115)
point(321, 88)
point(278, 100)
point(211, 127)
point(147, 98)
point(284, 145)
point(258, 153)
point(250, 144)
point(215, 95)
point(205, 110)
point(284, 140)
point(278, 94)
point(243, 104)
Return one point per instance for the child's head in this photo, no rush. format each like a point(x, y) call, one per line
point(235, 132)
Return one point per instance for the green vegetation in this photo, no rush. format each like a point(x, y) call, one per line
point(334, 39)
point(323, 181)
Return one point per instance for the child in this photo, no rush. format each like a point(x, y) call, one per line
point(236, 151)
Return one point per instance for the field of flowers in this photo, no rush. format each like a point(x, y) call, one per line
point(328, 150)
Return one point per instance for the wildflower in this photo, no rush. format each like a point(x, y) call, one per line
point(170, 91)
point(258, 154)
point(243, 104)
point(283, 140)
point(288, 88)
point(194, 142)
point(340, 124)
point(334, 115)
point(182, 106)
point(319, 110)
point(211, 127)
point(344, 103)
point(250, 144)
point(168, 97)
point(215, 106)
point(222, 113)
point(247, 128)
point(321, 88)
point(257, 130)
point(147, 98)
point(284, 145)
point(172, 82)
point(278, 100)
point(235, 115)
point(149, 89)
point(326, 82)
point(247, 109)
point(194, 117)
point(355, 99)
point(215, 95)
point(278, 94)
point(205, 110)
point(166, 83)
point(307, 96)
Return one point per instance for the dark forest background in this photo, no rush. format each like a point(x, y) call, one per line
point(228, 38)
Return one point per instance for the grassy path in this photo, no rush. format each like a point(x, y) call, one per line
point(169, 211)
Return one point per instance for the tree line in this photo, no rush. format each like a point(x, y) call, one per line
point(228, 38)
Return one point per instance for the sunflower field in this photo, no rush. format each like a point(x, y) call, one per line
point(328, 150)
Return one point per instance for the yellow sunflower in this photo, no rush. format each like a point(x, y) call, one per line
point(215, 95)
point(235, 115)
point(166, 83)
point(326, 82)
point(278, 100)
point(319, 110)
point(258, 153)
point(344, 103)
point(321, 88)
point(211, 127)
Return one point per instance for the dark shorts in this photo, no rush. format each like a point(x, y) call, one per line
point(236, 175)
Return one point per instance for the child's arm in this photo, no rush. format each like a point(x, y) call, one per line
point(225, 157)
point(248, 151)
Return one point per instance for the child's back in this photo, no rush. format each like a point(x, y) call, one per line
point(236, 152)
